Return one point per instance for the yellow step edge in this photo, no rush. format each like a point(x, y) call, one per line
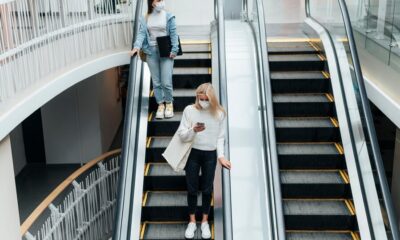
point(212, 232)
point(344, 176)
point(142, 230)
point(326, 74)
point(152, 93)
point(334, 121)
point(146, 171)
point(150, 117)
point(148, 142)
point(321, 57)
point(339, 147)
point(330, 97)
point(209, 70)
point(144, 200)
point(194, 42)
point(355, 236)
point(350, 206)
point(312, 44)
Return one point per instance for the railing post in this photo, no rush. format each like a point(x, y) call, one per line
point(62, 12)
point(29, 236)
point(6, 31)
point(32, 4)
point(245, 11)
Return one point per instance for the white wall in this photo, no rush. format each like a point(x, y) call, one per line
point(284, 11)
point(110, 108)
point(81, 122)
point(191, 12)
point(9, 217)
point(18, 149)
point(396, 175)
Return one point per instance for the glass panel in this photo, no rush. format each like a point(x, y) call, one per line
point(394, 59)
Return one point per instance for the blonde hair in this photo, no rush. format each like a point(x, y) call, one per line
point(215, 107)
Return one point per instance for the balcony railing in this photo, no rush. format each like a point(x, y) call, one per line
point(42, 37)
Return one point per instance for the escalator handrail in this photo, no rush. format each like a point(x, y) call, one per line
point(226, 177)
point(366, 111)
point(267, 115)
point(121, 229)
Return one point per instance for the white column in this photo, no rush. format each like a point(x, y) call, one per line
point(396, 175)
point(9, 217)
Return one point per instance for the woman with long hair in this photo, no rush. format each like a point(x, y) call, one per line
point(203, 123)
point(158, 23)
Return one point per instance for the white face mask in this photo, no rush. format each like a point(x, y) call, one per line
point(159, 6)
point(204, 104)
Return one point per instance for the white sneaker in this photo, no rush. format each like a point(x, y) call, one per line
point(169, 110)
point(190, 230)
point(205, 230)
point(160, 111)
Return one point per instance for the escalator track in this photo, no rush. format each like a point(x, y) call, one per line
point(164, 206)
point(317, 199)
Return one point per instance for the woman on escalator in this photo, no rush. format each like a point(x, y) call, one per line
point(158, 23)
point(203, 124)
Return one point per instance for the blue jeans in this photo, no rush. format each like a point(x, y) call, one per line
point(161, 69)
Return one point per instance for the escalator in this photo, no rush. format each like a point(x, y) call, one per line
point(164, 206)
point(317, 199)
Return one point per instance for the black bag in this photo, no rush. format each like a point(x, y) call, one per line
point(165, 46)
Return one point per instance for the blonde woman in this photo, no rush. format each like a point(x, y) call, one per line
point(203, 123)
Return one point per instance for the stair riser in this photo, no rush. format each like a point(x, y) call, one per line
point(315, 222)
point(162, 128)
point(315, 190)
point(311, 162)
point(164, 183)
point(295, 109)
point(192, 63)
point(296, 66)
point(154, 155)
point(307, 134)
point(190, 81)
point(301, 86)
point(170, 214)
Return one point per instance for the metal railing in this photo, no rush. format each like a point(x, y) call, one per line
point(82, 207)
point(226, 175)
point(39, 38)
point(275, 206)
point(122, 230)
point(368, 127)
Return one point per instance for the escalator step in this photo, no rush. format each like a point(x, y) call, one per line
point(306, 129)
point(163, 127)
point(296, 62)
point(161, 177)
point(300, 82)
point(292, 47)
point(167, 231)
point(193, 60)
point(316, 214)
point(314, 184)
point(168, 206)
point(310, 156)
point(301, 235)
point(196, 48)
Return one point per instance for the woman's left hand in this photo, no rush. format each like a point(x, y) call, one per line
point(225, 162)
point(171, 55)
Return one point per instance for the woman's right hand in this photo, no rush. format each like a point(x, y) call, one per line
point(133, 52)
point(198, 128)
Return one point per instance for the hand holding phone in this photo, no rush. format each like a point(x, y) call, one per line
point(200, 126)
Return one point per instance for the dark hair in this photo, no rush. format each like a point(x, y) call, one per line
point(150, 6)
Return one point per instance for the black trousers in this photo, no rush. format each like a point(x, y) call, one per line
point(206, 161)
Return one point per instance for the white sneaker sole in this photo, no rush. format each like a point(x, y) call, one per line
point(159, 117)
point(169, 116)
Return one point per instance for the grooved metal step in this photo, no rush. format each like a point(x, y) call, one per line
point(294, 58)
point(296, 98)
point(304, 123)
point(167, 231)
point(316, 207)
point(195, 56)
point(298, 47)
point(196, 48)
point(311, 177)
point(297, 75)
point(307, 149)
point(163, 169)
point(319, 236)
point(191, 71)
point(168, 199)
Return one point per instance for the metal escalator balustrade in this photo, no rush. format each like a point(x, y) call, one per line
point(164, 209)
point(317, 201)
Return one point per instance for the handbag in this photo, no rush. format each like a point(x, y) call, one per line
point(177, 153)
point(165, 46)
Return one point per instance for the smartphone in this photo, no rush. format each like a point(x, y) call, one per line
point(200, 124)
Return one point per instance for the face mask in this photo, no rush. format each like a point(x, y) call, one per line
point(204, 104)
point(159, 6)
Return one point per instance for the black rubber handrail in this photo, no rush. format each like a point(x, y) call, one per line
point(226, 175)
point(366, 111)
point(275, 206)
point(121, 230)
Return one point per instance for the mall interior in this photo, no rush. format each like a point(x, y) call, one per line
point(311, 89)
